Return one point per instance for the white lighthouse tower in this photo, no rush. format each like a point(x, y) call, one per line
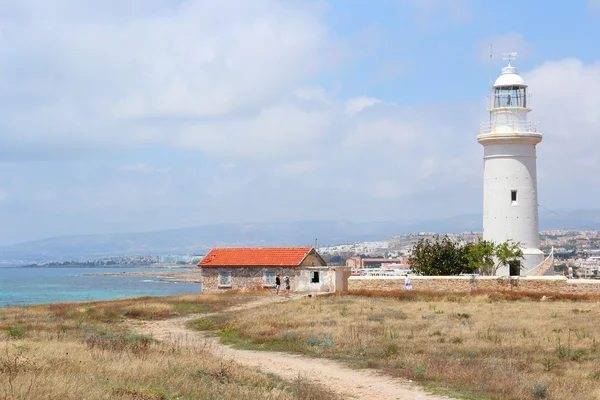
point(510, 202)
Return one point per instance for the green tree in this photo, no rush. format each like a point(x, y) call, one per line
point(440, 256)
point(561, 267)
point(481, 256)
point(445, 256)
point(509, 254)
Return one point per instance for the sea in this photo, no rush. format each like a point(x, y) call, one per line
point(21, 286)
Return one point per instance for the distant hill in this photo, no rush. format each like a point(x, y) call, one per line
point(200, 239)
point(570, 219)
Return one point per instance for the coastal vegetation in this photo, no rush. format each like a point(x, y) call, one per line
point(502, 345)
point(92, 350)
point(443, 255)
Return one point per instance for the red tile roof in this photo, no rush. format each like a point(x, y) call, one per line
point(282, 256)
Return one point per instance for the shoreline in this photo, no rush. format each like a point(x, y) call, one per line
point(164, 276)
point(112, 266)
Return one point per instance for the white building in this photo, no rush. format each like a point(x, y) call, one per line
point(510, 203)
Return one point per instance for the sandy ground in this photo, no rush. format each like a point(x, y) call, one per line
point(351, 384)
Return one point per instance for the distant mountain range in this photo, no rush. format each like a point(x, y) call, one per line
point(199, 240)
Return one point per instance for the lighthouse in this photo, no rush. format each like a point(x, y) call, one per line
point(510, 199)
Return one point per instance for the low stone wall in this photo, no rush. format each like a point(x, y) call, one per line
point(539, 284)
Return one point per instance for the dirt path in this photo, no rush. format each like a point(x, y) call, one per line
point(362, 384)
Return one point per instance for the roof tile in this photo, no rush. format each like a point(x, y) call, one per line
point(255, 256)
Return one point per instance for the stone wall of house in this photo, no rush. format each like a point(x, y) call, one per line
point(539, 284)
point(244, 278)
point(253, 278)
point(311, 260)
point(326, 280)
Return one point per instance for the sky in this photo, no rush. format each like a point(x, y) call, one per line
point(136, 115)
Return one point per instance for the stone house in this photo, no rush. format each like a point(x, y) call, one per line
point(255, 268)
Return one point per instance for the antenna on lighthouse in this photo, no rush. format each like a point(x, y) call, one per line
point(491, 64)
point(491, 95)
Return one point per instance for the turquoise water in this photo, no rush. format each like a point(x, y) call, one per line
point(25, 286)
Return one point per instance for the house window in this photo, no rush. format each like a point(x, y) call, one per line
point(513, 196)
point(269, 278)
point(224, 278)
point(314, 277)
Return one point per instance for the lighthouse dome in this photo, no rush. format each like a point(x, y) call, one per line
point(509, 77)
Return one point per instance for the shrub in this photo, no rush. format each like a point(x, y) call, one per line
point(319, 341)
point(539, 391)
point(595, 375)
point(375, 318)
point(419, 370)
point(391, 348)
point(442, 256)
point(15, 332)
point(135, 343)
point(289, 336)
point(462, 315)
point(305, 389)
point(141, 394)
point(548, 364)
point(399, 315)
point(446, 256)
point(203, 325)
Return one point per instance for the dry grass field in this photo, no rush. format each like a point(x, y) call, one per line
point(85, 351)
point(483, 346)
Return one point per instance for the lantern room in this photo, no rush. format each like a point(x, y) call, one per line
point(510, 96)
point(510, 89)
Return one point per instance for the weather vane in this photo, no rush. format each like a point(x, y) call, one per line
point(509, 56)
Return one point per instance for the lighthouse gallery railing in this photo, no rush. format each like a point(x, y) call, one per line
point(503, 127)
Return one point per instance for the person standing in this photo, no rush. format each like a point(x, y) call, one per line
point(407, 284)
point(286, 282)
point(277, 284)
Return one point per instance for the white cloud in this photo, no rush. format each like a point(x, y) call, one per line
point(387, 189)
point(202, 64)
point(298, 168)
point(141, 167)
point(160, 59)
point(358, 104)
point(225, 93)
point(314, 93)
point(144, 169)
point(566, 100)
point(277, 132)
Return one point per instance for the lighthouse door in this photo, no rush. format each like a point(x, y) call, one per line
point(514, 267)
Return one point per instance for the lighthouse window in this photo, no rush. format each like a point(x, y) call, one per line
point(510, 96)
point(513, 196)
